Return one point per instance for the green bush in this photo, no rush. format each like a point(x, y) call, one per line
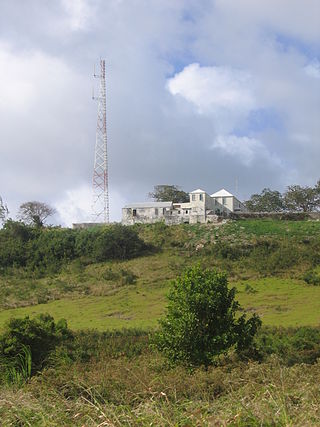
point(40, 335)
point(46, 250)
point(117, 242)
point(292, 345)
point(312, 277)
point(201, 320)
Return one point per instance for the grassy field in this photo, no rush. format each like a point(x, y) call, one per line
point(132, 293)
point(279, 302)
point(100, 379)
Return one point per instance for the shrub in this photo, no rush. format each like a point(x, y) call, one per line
point(40, 335)
point(201, 319)
point(312, 277)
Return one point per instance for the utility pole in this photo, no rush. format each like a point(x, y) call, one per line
point(100, 205)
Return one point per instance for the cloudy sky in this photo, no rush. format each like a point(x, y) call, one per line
point(200, 93)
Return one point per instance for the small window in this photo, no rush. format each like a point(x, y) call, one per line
point(156, 211)
point(164, 211)
point(134, 212)
point(193, 197)
point(224, 200)
point(187, 212)
point(179, 212)
point(201, 197)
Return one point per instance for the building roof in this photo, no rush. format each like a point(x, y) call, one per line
point(149, 205)
point(197, 191)
point(222, 193)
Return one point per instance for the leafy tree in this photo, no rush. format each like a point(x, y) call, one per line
point(35, 213)
point(3, 211)
point(169, 193)
point(305, 199)
point(201, 320)
point(117, 242)
point(267, 201)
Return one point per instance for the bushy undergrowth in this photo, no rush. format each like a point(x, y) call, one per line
point(46, 250)
point(31, 338)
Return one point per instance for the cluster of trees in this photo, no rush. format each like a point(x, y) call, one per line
point(48, 248)
point(296, 198)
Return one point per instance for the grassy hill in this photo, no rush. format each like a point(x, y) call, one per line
point(266, 260)
point(109, 376)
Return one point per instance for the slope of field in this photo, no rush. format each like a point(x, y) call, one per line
point(265, 260)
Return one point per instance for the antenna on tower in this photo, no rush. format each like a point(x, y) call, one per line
point(100, 205)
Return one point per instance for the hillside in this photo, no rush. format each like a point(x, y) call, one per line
point(267, 261)
point(109, 376)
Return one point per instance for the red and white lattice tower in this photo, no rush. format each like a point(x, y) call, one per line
point(100, 205)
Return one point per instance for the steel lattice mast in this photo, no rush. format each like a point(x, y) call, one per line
point(100, 206)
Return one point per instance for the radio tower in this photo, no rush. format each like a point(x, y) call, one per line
point(100, 205)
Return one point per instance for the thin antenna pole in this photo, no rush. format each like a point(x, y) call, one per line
point(100, 205)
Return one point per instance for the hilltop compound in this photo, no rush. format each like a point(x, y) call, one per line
point(201, 208)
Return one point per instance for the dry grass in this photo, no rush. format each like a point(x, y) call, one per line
point(144, 392)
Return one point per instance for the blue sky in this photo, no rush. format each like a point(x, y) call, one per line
point(200, 94)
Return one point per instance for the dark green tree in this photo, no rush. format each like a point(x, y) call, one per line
point(169, 193)
point(267, 201)
point(302, 199)
point(201, 320)
point(35, 213)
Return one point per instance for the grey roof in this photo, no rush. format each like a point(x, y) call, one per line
point(149, 205)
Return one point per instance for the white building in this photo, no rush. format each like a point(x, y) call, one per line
point(201, 208)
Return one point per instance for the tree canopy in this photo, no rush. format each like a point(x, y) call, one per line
point(305, 199)
point(267, 201)
point(169, 193)
point(295, 198)
point(35, 213)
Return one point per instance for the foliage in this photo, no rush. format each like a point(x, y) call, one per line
point(17, 370)
point(47, 249)
point(312, 277)
point(267, 201)
point(117, 242)
point(35, 213)
point(305, 199)
point(169, 193)
point(292, 345)
point(40, 335)
point(201, 319)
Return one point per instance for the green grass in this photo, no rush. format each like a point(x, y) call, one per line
point(99, 296)
point(279, 302)
point(271, 227)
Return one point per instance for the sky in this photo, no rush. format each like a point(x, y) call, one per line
point(200, 93)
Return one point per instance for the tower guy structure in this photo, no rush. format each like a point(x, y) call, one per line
point(100, 205)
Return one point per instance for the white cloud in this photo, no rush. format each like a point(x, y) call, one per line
point(247, 150)
point(313, 69)
point(222, 92)
point(212, 88)
point(79, 13)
